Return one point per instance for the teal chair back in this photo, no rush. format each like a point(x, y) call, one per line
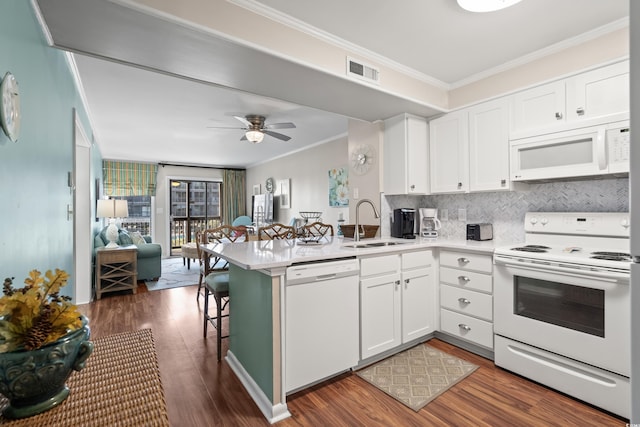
point(241, 220)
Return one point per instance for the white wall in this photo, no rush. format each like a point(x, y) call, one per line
point(308, 171)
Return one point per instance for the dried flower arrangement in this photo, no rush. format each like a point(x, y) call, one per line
point(35, 315)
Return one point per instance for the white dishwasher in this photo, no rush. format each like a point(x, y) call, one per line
point(322, 332)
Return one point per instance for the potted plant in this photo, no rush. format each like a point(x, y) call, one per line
point(43, 338)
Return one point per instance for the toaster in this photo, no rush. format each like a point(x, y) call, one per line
point(479, 232)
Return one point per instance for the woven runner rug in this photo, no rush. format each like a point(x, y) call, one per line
point(119, 386)
point(417, 376)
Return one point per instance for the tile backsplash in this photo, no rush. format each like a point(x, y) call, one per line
point(506, 210)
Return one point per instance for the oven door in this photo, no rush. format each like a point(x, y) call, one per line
point(581, 316)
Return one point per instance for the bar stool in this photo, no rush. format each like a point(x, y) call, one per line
point(276, 231)
point(216, 277)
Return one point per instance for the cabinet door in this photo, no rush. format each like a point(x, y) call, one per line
point(599, 95)
point(380, 314)
point(539, 108)
point(489, 146)
point(419, 305)
point(418, 156)
point(448, 153)
point(405, 155)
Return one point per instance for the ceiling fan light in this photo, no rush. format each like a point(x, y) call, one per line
point(485, 5)
point(254, 136)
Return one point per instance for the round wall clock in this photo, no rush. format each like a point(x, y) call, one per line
point(10, 111)
point(362, 158)
point(268, 185)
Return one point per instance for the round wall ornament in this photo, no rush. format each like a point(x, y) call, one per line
point(10, 110)
point(362, 158)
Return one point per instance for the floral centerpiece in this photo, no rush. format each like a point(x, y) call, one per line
point(43, 337)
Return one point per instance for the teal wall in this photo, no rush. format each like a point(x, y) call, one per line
point(33, 172)
point(251, 325)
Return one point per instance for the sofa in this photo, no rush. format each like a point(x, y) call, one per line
point(149, 254)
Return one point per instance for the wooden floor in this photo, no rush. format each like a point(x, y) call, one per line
point(202, 392)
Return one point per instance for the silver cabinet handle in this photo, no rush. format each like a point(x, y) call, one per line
point(558, 116)
point(464, 327)
point(464, 279)
point(464, 301)
point(459, 185)
point(463, 260)
point(580, 111)
point(503, 182)
point(413, 187)
point(397, 283)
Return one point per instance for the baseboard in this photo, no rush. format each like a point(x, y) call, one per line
point(473, 348)
point(273, 413)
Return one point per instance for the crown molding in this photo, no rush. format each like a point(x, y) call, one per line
point(549, 50)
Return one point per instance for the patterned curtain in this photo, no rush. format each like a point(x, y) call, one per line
point(233, 195)
point(129, 179)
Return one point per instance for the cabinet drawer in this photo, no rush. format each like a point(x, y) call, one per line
point(467, 302)
point(467, 279)
point(379, 265)
point(467, 261)
point(420, 259)
point(467, 328)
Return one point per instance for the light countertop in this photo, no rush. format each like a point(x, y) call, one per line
point(270, 254)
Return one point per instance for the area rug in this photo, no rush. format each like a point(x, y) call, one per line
point(175, 275)
point(417, 376)
point(120, 386)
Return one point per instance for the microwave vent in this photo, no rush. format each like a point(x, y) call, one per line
point(362, 71)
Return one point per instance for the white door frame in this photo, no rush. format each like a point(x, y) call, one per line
point(82, 231)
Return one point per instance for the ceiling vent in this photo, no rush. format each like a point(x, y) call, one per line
point(362, 71)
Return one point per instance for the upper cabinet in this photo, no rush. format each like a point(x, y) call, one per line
point(449, 153)
point(406, 156)
point(591, 98)
point(469, 149)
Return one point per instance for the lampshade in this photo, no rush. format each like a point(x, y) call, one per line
point(485, 5)
point(112, 209)
point(254, 136)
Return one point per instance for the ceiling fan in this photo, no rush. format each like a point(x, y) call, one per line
point(256, 128)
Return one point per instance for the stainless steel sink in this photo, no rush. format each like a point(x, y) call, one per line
point(376, 244)
point(355, 245)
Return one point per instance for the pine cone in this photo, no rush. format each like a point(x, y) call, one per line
point(38, 333)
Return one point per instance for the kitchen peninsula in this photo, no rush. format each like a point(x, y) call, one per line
point(258, 280)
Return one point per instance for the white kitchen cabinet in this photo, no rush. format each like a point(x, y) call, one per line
point(587, 99)
point(469, 149)
point(406, 156)
point(466, 297)
point(489, 146)
point(449, 153)
point(380, 304)
point(397, 300)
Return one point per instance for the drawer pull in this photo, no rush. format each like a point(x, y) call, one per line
point(464, 301)
point(463, 260)
point(464, 279)
point(464, 327)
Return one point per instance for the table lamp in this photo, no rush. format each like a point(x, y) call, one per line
point(112, 209)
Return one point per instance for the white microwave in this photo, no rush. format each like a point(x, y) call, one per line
point(590, 151)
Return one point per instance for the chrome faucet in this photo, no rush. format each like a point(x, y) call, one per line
point(356, 233)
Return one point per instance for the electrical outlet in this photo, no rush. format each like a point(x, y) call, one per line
point(356, 193)
point(444, 214)
point(462, 214)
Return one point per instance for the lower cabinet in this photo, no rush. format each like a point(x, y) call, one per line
point(397, 300)
point(466, 301)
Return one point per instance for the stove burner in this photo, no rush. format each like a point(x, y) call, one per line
point(612, 254)
point(530, 248)
point(612, 258)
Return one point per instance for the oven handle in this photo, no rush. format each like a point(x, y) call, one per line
point(608, 276)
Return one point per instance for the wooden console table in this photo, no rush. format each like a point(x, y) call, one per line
point(116, 269)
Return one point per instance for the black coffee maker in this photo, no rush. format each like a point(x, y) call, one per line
point(403, 224)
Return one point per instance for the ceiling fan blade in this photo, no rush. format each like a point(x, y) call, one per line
point(244, 138)
point(244, 121)
point(277, 135)
point(287, 125)
point(223, 127)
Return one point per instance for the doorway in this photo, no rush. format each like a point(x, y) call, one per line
point(194, 206)
point(80, 184)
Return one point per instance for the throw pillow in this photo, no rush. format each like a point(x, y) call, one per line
point(124, 238)
point(137, 238)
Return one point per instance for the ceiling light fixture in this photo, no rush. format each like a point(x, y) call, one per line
point(485, 5)
point(254, 136)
